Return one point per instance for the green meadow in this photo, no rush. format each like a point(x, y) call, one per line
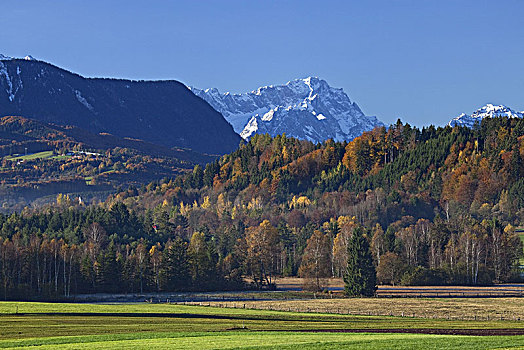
point(44, 154)
point(158, 326)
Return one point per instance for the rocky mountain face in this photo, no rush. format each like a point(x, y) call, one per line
point(307, 109)
point(487, 111)
point(160, 112)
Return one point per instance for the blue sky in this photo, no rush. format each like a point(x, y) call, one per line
point(422, 61)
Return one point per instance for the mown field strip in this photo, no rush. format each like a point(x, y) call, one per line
point(265, 340)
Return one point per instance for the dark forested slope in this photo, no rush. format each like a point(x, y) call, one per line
point(162, 112)
point(40, 160)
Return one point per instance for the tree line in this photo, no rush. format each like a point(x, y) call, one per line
point(430, 206)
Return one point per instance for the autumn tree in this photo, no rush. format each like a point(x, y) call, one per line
point(155, 256)
point(141, 263)
point(262, 253)
point(95, 236)
point(316, 261)
point(378, 245)
point(340, 244)
point(390, 269)
point(202, 261)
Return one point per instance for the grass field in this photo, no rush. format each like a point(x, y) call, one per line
point(157, 326)
point(44, 154)
point(41, 155)
point(269, 340)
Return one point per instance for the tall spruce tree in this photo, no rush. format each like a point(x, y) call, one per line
point(174, 269)
point(360, 277)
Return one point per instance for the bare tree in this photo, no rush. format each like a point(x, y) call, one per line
point(316, 261)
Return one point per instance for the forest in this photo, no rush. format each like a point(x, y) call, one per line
point(40, 160)
point(434, 206)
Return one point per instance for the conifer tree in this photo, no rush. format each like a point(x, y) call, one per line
point(174, 269)
point(360, 277)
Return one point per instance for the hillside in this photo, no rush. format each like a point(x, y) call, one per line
point(436, 205)
point(41, 160)
point(433, 201)
point(165, 113)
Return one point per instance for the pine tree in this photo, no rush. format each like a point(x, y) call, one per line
point(174, 269)
point(360, 277)
point(109, 271)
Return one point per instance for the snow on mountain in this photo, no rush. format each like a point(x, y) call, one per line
point(8, 58)
point(486, 111)
point(11, 82)
point(307, 109)
point(165, 113)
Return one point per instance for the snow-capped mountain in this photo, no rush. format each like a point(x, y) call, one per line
point(307, 109)
point(486, 111)
point(8, 58)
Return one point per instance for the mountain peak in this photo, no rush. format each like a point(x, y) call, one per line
point(487, 111)
point(311, 83)
point(8, 58)
point(308, 80)
point(306, 108)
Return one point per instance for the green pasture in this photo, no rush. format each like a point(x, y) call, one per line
point(44, 154)
point(156, 326)
point(41, 155)
point(267, 340)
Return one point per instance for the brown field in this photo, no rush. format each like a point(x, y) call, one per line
point(336, 285)
point(439, 308)
point(295, 283)
point(452, 291)
point(448, 302)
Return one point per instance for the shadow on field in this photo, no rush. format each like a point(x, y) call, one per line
point(440, 331)
point(436, 331)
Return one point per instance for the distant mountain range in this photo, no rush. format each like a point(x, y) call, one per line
point(487, 111)
point(165, 113)
point(307, 109)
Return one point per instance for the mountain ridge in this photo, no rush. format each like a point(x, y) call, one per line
point(307, 108)
point(161, 112)
point(487, 111)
